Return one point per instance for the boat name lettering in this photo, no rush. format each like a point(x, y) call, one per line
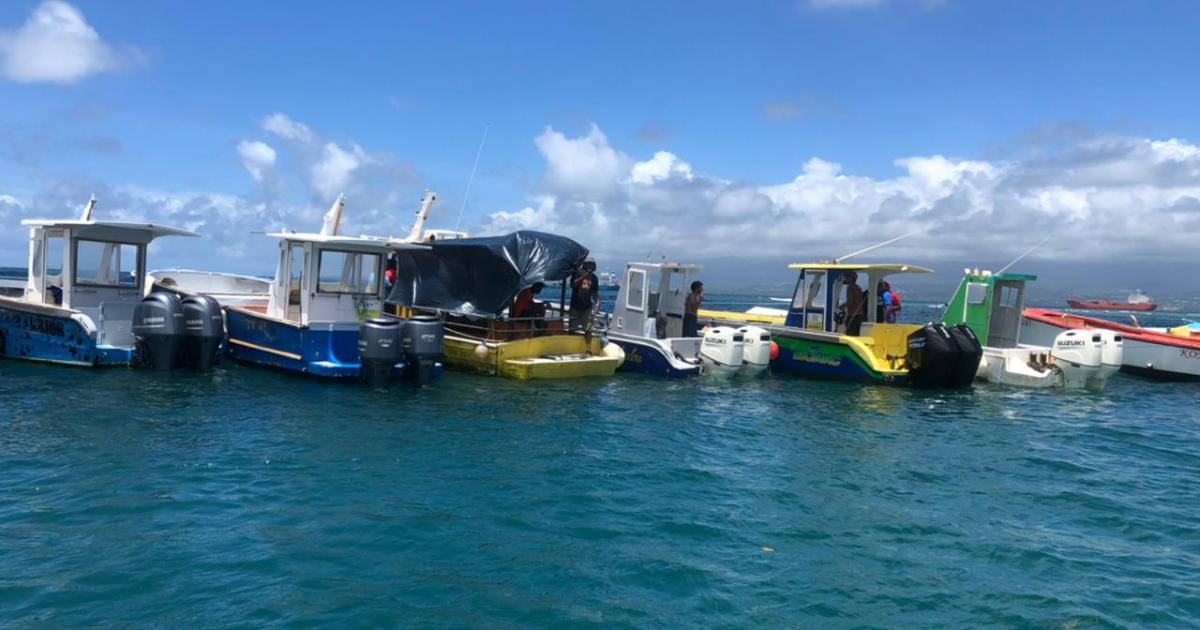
point(815, 355)
point(35, 323)
point(1189, 353)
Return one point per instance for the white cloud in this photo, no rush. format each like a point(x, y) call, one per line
point(257, 157)
point(286, 128)
point(57, 45)
point(1101, 197)
point(331, 173)
point(586, 164)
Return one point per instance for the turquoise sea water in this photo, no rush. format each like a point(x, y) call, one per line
point(249, 498)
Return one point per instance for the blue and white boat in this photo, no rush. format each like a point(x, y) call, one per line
point(85, 279)
point(647, 320)
point(306, 319)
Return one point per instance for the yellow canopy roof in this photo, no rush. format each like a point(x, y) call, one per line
point(889, 267)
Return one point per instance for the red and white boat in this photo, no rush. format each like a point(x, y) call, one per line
point(1137, 301)
point(1160, 353)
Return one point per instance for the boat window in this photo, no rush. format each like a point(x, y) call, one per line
point(815, 280)
point(1009, 296)
point(297, 264)
point(976, 292)
point(675, 282)
point(636, 298)
point(347, 272)
point(54, 256)
point(106, 264)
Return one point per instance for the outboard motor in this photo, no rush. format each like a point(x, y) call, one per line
point(421, 345)
point(722, 350)
point(932, 357)
point(157, 331)
point(378, 350)
point(970, 351)
point(1078, 354)
point(203, 330)
point(1112, 354)
point(756, 353)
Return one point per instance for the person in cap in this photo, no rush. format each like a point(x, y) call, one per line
point(691, 310)
point(585, 301)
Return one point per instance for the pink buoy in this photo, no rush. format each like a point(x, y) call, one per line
point(774, 351)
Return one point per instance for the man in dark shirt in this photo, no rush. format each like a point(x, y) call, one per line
point(585, 300)
point(691, 310)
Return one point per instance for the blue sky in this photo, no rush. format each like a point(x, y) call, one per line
point(618, 123)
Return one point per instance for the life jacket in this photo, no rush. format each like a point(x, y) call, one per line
point(896, 299)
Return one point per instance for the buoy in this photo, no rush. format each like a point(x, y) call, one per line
point(481, 351)
point(774, 351)
point(615, 351)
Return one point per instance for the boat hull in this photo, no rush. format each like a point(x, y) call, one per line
point(548, 357)
point(46, 334)
point(327, 349)
point(1097, 305)
point(812, 357)
point(1155, 355)
point(647, 357)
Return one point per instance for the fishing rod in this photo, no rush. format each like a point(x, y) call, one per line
point(1027, 252)
point(471, 179)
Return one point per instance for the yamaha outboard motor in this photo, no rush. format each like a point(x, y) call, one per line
point(378, 350)
point(970, 351)
point(932, 356)
point(421, 342)
point(203, 329)
point(157, 331)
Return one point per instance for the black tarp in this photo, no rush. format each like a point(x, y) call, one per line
point(482, 276)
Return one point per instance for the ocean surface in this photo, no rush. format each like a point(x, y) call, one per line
point(247, 498)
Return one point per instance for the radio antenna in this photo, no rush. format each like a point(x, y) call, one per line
point(874, 247)
point(1027, 252)
point(471, 179)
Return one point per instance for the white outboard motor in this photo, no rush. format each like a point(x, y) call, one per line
point(756, 356)
point(722, 350)
point(1078, 355)
point(1112, 355)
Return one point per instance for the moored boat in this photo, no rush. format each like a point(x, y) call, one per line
point(1158, 354)
point(84, 286)
point(823, 335)
point(471, 285)
point(991, 305)
point(327, 293)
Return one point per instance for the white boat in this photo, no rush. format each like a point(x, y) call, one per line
point(1161, 354)
point(991, 305)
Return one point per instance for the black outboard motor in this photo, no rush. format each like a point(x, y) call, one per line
point(204, 330)
point(421, 340)
point(157, 331)
point(970, 351)
point(932, 357)
point(378, 350)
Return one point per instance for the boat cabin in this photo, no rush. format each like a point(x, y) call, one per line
point(991, 305)
point(94, 267)
point(329, 278)
point(651, 300)
point(819, 302)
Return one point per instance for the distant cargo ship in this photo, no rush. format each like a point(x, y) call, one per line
point(1137, 301)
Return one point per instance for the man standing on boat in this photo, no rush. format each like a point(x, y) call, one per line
point(585, 300)
point(691, 310)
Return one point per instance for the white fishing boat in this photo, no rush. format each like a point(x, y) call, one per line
point(1162, 354)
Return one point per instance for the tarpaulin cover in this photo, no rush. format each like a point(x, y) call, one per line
point(482, 276)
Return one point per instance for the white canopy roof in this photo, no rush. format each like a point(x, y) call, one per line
point(123, 231)
point(354, 242)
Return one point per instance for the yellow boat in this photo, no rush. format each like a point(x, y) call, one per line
point(471, 285)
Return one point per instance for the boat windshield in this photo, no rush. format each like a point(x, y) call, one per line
point(101, 263)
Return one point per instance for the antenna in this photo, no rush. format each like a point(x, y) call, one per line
point(87, 209)
point(1027, 252)
point(471, 179)
point(874, 247)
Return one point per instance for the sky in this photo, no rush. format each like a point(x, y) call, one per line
point(686, 130)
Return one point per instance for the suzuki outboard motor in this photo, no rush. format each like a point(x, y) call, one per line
point(378, 350)
point(1112, 355)
point(1079, 355)
point(203, 331)
point(421, 345)
point(722, 350)
point(932, 357)
point(756, 355)
point(970, 351)
point(157, 331)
